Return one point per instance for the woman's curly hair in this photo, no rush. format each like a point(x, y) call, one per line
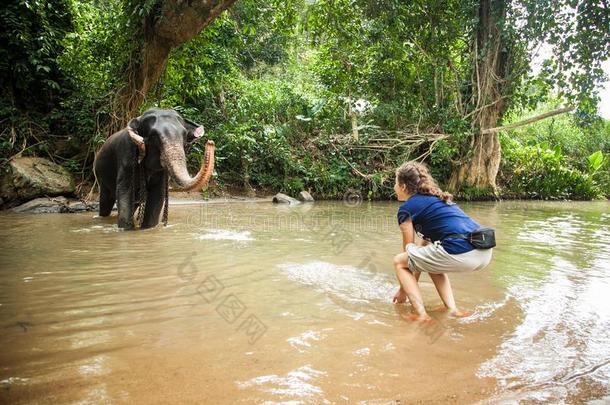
point(416, 177)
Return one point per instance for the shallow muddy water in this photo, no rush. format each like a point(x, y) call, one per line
point(252, 303)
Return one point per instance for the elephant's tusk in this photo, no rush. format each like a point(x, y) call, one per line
point(139, 141)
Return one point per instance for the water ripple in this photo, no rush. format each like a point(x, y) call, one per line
point(349, 283)
point(297, 384)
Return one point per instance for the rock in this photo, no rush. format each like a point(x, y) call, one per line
point(42, 206)
point(59, 199)
point(305, 197)
point(280, 198)
point(55, 205)
point(31, 177)
point(80, 206)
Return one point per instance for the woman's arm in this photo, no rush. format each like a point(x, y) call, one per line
point(408, 233)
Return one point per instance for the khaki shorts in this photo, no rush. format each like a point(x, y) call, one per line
point(433, 258)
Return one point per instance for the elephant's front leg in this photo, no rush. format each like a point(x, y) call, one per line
point(154, 201)
point(124, 193)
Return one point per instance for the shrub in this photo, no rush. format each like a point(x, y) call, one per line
point(536, 171)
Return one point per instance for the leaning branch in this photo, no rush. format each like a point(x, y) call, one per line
point(527, 121)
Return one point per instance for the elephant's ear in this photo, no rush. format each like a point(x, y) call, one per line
point(192, 136)
point(197, 133)
point(134, 124)
point(194, 131)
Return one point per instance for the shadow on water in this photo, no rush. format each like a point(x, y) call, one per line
point(257, 302)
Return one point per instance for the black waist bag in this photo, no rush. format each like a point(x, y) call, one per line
point(484, 238)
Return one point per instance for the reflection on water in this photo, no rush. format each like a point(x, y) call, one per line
point(243, 302)
point(222, 234)
point(305, 339)
point(561, 350)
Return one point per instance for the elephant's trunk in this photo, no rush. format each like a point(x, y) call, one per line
point(175, 161)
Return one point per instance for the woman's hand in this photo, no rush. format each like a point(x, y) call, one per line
point(400, 297)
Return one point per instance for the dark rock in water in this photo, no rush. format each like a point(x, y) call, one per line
point(280, 198)
point(305, 197)
point(42, 206)
point(54, 205)
point(80, 206)
point(31, 177)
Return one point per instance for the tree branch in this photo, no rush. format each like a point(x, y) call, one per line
point(527, 121)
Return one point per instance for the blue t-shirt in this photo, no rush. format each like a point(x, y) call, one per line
point(435, 219)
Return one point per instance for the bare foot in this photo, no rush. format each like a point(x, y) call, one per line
point(459, 313)
point(400, 297)
point(418, 318)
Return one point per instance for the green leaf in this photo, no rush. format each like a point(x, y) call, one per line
point(596, 160)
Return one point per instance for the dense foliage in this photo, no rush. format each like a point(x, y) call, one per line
point(325, 95)
point(31, 81)
point(556, 159)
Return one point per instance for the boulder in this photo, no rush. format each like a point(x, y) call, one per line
point(81, 206)
point(31, 177)
point(280, 198)
point(305, 197)
point(43, 206)
point(53, 205)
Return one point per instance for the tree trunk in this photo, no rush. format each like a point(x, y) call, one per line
point(480, 163)
point(175, 23)
point(354, 121)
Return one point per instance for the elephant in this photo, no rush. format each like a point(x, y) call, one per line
point(136, 161)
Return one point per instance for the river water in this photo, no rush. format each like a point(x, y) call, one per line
point(252, 302)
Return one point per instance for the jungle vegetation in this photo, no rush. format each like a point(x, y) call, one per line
point(322, 95)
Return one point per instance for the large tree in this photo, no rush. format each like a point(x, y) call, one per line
point(490, 77)
point(504, 41)
point(165, 25)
